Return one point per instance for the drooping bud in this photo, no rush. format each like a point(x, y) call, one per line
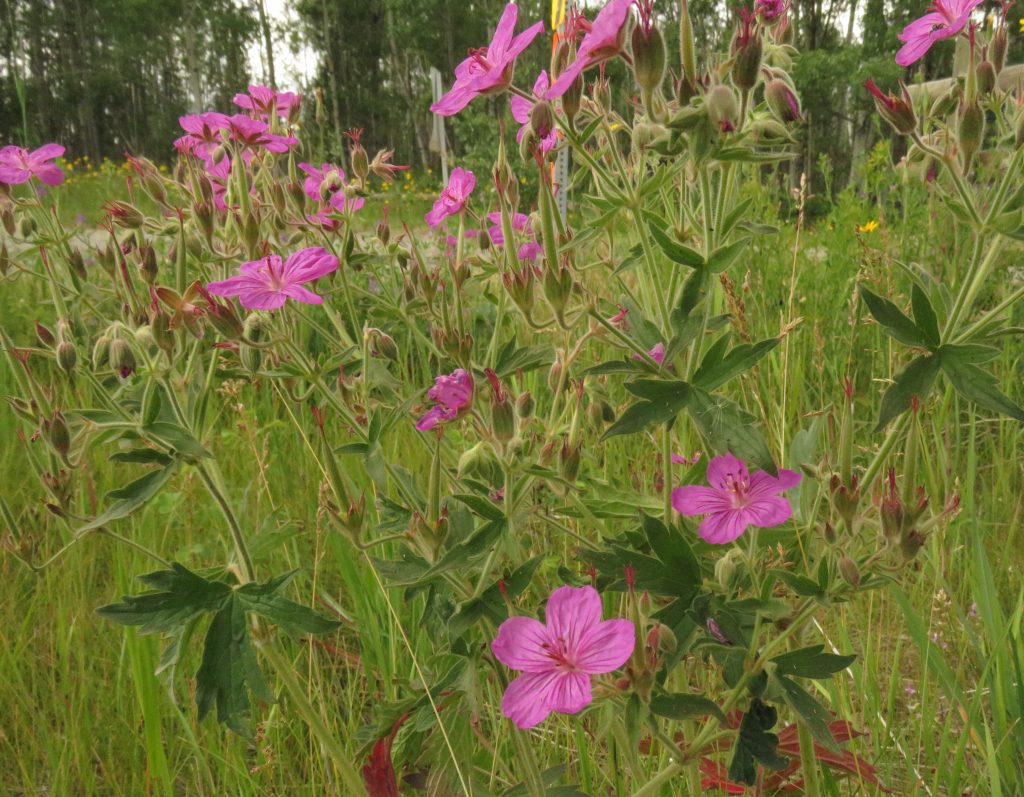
point(723, 108)
point(542, 118)
point(149, 267)
point(897, 111)
point(101, 351)
point(122, 358)
point(124, 214)
point(892, 511)
point(57, 434)
point(525, 405)
point(782, 101)
point(67, 356)
point(569, 461)
point(911, 544)
point(45, 335)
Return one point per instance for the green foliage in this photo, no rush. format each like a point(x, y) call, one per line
point(229, 670)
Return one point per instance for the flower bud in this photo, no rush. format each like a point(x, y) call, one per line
point(26, 227)
point(970, 132)
point(57, 434)
point(986, 76)
point(648, 57)
point(997, 49)
point(849, 571)
point(911, 543)
point(782, 101)
point(7, 219)
point(525, 405)
point(124, 214)
point(542, 118)
point(45, 335)
point(101, 351)
point(67, 356)
point(726, 571)
point(897, 111)
point(122, 358)
point(945, 104)
point(149, 267)
point(5, 260)
point(479, 461)
point(358, 157)
point(253, 330)
point(747, 49)
point(723, 108)
point(569, 461)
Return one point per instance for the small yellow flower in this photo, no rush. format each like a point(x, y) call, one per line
point(1021, 25)
point(870, 226)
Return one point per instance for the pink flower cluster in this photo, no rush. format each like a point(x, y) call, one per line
point(326, 185)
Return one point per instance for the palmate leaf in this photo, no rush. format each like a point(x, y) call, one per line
point(975, 384)
point(914, 380)
point(229, 670)
point(895, 322)
point(661, 402)
point(756, 744)
point(729, 428)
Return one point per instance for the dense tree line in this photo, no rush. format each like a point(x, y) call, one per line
point(103, 76)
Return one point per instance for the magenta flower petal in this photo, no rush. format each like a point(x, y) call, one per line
point(692, 499)
point(768, 511)
point(722, 469)
point(522, 644)
point(944, 19)
point(723, 527)
point(265, 284)
point(531, 697)
point(18, 165)
point(571, 611)
point(606, 646)
point(762, 483)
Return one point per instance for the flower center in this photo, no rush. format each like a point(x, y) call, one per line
point(559, 653)
point(275, 280)
point(738, 485)
point(479, 56)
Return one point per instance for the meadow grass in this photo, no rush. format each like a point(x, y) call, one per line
point(937, 686)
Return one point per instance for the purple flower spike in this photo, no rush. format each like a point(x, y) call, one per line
point(558, 659)
point(489, 69)
point(735, 499)
point(265, 284)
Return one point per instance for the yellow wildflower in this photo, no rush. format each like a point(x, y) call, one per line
point(870, 226)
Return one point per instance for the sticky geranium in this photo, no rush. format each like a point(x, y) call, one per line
point(263, 100)
point(604, 39)
point(945, 19)
point(736, 499)
point(488, 70)
point(18, 165)
point(452, 394)
point(453, 197)
point(521, 108)
point(558, 658)
point(255, 134)
point(266, 283)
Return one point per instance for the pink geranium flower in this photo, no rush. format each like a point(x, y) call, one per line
point(489, 69)
point(945, 19)
point(453, 197)
point(262, 101)
point(520, 223)
point(558, 659)
point(265, 284)
point(603, 40)
point(521, 108)
point(203, 130)
point(656, 353)
point(18, 165)
point(452, 393)
point(255, 134)
point(735, 499)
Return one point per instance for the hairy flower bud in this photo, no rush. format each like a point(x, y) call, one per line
point(67, 356)
point(122, 358)
point(57, 434)
point(897, 111)
point(970, 131)
point(253, 330)
point(542, 118)
point(569, 461)
point(124, 214)
point(849, 571)
point(747, 48)
point(525, 405)
point(997, 49)
point(986, 76)
point(723, 108)
point(648, 57)
point(782, 101)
